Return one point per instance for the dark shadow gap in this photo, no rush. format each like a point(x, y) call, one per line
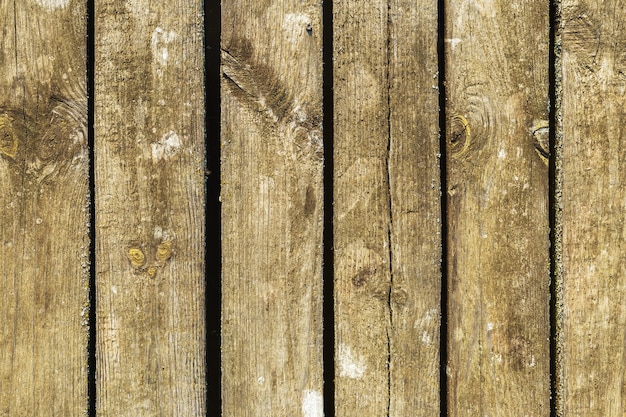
point(213, 219)
point(91, 344)
point(328, 269)
point(443, 341)
point(553, 209)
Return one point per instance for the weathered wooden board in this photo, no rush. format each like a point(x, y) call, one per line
point(593, 202)
point(149, 146)
point(415, 205)
point(497, 185)
point(272, 211)
point(44, 223)
point(386, 208)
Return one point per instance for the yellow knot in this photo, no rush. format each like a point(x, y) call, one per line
point(8, 140)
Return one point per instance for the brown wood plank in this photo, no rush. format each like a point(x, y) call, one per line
point(272, 208)
point(387, 208)
point(149, 145)
point(415, 203)
point(593, 201)
point(361, 208)
point(498, 305)
point(44, 225)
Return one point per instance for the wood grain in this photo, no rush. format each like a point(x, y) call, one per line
point(593, 200)
point(415, 205)
point(272, 208)
point(387, 208)
point(44, 223)
point(149, 146)
point(497, 174)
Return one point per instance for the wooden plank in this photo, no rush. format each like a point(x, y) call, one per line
point(272, 211)
point(593, 201)
point(387, 208)
point(361, 208)
point(415, 204)
point(497, 185)
point(149, 145)
point(44, 225)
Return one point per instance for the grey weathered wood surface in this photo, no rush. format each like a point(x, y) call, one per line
point(387, 208)
point(44, 224)
point(272, 208)
point(593, 197)
point(498, 240)
point(149, 174)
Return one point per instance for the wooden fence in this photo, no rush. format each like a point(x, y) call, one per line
point(422, 208)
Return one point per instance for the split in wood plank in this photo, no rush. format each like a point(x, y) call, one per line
point(386, 208)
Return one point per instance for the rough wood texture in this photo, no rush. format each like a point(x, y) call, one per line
point(44, 223)
point(387, 208)
point(272, 209)
point(497, 104)
point(414, 182)
point(149, 208)
point(593, 200)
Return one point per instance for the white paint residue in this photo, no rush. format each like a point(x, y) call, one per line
point(295, 26)
point(166, 147)
point(160, 39)
point(426, 338)
point(501, 154)
point(350, 366)
point(312, 404)
point(453, 42)
point(52, 4)
point(430, 315)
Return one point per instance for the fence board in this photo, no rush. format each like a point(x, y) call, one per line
point(415, 205)
point(149, 145)
point(386, 222)
point(44, 225)
point(593, 199)
point(272, 209)
point(497, 107)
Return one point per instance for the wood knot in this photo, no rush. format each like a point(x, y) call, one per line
point(460, 136)
point(8, 139)
point(363, 276)
point(541, 140)
point(136, 257)
point(164, 252)
point(399, 296)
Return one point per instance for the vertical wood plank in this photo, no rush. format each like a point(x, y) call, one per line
point(361, 211)
point(149, 145)
point(497, 131)
point(415, 204)
point(272, 211)
point(387, 208)
point(44, 220)
point(593, 201)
